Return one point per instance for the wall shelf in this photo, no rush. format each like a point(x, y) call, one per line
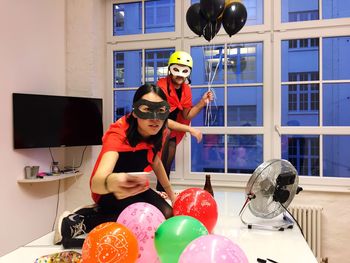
point(48, 178)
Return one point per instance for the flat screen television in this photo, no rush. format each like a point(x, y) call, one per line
point(41, 121)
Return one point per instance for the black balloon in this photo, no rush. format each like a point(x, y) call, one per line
point(212, 9)
point(234, 18)
point(211, 29)
point(195, 20)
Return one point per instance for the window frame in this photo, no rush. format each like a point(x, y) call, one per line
point(247, 29)
point(319, 183)
point(126, 46)
point(317, 24)
point(271, 33)
point(144, 36)
point(234, 179)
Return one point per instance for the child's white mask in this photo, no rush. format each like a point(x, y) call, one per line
point(180, 70)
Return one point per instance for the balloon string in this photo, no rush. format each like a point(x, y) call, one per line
point(210, 118)
point(204, 49)
point(212, 90)
point(211, 76)
point(208, 107)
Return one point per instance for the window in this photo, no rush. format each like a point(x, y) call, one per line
point(315, 89)
point(303, 153)
point(254, 9)
point(300, 89)
point(125, 22)
point(303, 97)
point(301, 101)
point(128, 74)
point(300, 10)
point(281, 93)
point(159, 16)
point(157, 64)
point(235, 70)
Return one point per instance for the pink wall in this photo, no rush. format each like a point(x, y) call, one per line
point(51, 47)
point(32, 52)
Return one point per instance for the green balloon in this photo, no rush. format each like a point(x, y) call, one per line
point(174, 234)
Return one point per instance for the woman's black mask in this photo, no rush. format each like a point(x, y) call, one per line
point(145, 109)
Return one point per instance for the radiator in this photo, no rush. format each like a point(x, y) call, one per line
point(309, 219)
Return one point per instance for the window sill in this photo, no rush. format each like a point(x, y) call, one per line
point(227, 186)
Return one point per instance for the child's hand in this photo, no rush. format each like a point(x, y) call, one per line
point(207, 97)
point(197, 134)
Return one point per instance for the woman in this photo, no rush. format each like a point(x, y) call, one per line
point(131, 144)
point(182, 111)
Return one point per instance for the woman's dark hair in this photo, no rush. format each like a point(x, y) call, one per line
point(132, 134)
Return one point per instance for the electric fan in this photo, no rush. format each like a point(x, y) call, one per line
point(270, 190)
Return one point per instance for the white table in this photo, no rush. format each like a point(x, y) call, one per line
point(39, 247)
point(287, 246)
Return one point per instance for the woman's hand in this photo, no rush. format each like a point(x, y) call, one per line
point(124, 185)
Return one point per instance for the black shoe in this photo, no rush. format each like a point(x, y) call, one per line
point(69, 226)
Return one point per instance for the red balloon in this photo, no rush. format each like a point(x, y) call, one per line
point(199, 204)
point(110, 242)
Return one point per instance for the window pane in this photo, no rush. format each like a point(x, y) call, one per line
point(157, 64)
point(122, 103)
point(299, 60)
point(254, 10)
point(335, 9)
point(245, 153)
point(300, 105)
point(336, 53)
point(336, 104)
point(127, 68)
point(336, 151)
point(207, 65)
point(159, 16)
point(209, 155)
point(127, 19)
point(245, 106)
point(212, 115)
point(300, 101)
point(303, 152)
point(299, 10)
point(244, 63)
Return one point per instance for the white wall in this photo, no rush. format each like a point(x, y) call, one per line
point(42, 52)
point(32, 52)
point(335, 218)
point(86, 61)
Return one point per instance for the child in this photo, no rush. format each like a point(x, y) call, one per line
point(182, 111)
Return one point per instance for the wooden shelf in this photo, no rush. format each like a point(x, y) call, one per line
point(48, 178)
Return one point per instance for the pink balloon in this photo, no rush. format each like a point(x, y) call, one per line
point(143, 220)
point(213, 248)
